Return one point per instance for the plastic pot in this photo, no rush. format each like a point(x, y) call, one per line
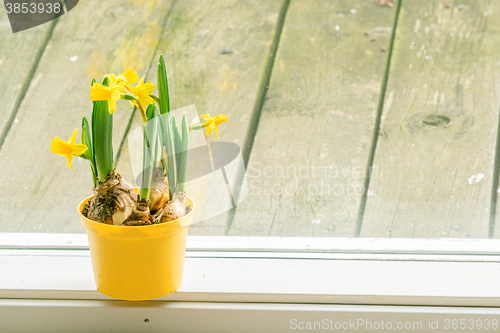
point(137, 262)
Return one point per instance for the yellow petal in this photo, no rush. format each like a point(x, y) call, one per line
point(72, 139)
point(130, 75)
point(112, 80)
point(219, 119)
point(69, 158)
point(137, 89)
point(79, 149)
point(100, 92)
point(210, 128)
point(134, 90)
point(146, 100)
point(118, 86)
point(141, 82)
point(206, 116)
point(115, 95)
point(60, 147)
point(145, 93)
point(148, 88)
point(111, 106)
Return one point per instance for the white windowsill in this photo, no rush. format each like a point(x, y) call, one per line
point(238, 273)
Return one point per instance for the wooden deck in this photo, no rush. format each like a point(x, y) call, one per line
point(355, 119)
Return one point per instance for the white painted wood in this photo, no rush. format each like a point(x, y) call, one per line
point(114, 316)
point(43, 241)
point(345, 256)
point(347, 245)
point(69, 276)
point(285, 255)
point(448, 246)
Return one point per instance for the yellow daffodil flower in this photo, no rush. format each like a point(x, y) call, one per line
point(67, 149)
point(111, 94)
point(212, 123)
point(129, 75)
point(143, 91)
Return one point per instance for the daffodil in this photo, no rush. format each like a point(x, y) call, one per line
point(212, 123)
point(68, 149)
point(129, 77)
point(143, 91)
point(111, 94)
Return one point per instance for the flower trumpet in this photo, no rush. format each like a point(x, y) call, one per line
point(211, 123)
point(68, 149)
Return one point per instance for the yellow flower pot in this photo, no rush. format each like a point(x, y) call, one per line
point(137, 262)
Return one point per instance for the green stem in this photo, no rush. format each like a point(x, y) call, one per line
point(156, 99)
point(144, 193)
point(131, 97)
point(196, 127)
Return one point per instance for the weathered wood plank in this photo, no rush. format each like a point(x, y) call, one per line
point(436, 149)
point(307, 164)
point(215, 53)
point(19, 54)
point(40, 193)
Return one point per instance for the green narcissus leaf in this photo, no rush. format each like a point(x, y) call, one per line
point(163, 95)
point(168, 143)
point(177, 144)
point(88, 155)
point(149, 147)
point(86, 138)
point(102, 134)
point(182, 154)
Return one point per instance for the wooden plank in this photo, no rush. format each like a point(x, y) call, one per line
point(19, 55)
point(215, 52)
point(307, 164)
point(436, 149)
point(40, 193)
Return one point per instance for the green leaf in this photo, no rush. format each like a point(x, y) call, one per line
point(94, 107)
point(89, 154)
point(163, 95)
point(102, 134)
point(182, 154)
point(177, 145)
point(167, 142)
point(149, 148)
point(86, 138)
point(151, 111)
